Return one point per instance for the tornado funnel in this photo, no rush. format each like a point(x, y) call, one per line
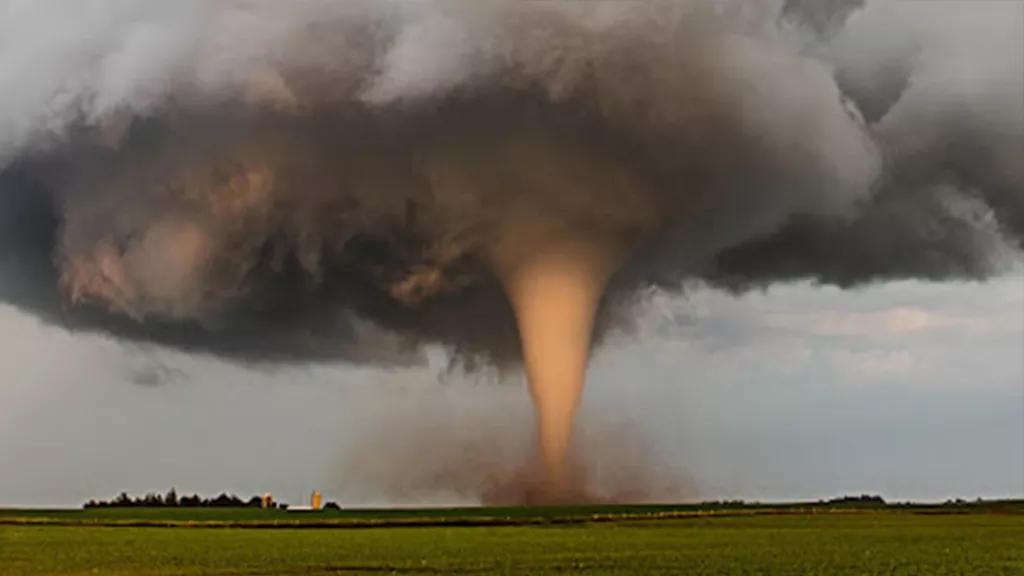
point(555, 282)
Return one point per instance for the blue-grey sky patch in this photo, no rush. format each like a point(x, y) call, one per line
point(796, 393)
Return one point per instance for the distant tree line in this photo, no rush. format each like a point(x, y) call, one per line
point(173, 500)
point(862, 500)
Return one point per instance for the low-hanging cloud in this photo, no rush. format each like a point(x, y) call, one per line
point(322, 180)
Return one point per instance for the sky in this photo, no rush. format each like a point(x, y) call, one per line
point(909, 390)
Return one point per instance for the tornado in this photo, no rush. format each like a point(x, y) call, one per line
point(555, 278)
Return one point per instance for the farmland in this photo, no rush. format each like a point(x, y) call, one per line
point(623, 540)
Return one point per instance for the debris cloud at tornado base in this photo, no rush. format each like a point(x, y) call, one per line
point(325, 181)
point(473, 446)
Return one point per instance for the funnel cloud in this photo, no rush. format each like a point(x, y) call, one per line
point(324, 181)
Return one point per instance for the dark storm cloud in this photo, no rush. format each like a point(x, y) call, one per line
point(321, 180)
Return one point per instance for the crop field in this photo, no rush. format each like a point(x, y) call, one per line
point(624, 540)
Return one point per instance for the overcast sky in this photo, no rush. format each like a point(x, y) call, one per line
point(910, 390)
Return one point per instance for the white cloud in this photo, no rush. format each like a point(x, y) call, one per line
point(900, 335)
point(897, 321)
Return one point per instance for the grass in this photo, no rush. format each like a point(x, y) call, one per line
point(254, 517)
point(866, 543)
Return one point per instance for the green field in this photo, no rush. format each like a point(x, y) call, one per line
point(624, 540)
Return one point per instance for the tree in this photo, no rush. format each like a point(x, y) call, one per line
point(172, 499)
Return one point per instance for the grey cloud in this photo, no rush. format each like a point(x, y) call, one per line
point(324, 181)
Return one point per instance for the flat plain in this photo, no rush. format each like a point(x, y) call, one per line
point(621, 540)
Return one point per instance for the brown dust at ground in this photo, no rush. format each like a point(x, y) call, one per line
point(423, 452)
